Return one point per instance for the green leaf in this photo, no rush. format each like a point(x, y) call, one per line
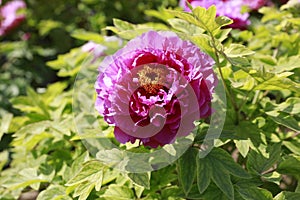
point(247, 130)
point(117, 192)
point(87, 172)
point(213, 192)
point(187, 169)
point(33, 129)
point(141, 179)
point(206, 17)
point(31, 103)
point(290, 165)
point(279, 82)
point(290, 106)
point(123, 25)
point(36, 99)
point(237, 50)
point(83, 190)
point(113, 158)
point(53, 91)
point(89, 177)
point(25, 177)
point(184, 27)
point(68, 64)
point(285, 195)
point(4, 156)
point(204, 174)
point(87, 36)
point(243, 80)
point(253, 193)
point(45, 26)
point(285, 120)
point(243, 146)
point(287, 64)
point(226, 161)
point(258, 163)
point(239, 61)
point(5, 122)
point(218, 165)
point(54, 192)
point(200, 17)
point(161, 178)
point(293, 146)
point(223, 21)
point(222, 179)
point(171, 193)
point(204, 43)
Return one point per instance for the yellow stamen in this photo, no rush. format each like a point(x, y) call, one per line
point(152, 79)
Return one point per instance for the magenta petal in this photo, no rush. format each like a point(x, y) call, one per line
point(122, 137)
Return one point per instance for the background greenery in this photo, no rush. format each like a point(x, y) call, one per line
point(256, 157)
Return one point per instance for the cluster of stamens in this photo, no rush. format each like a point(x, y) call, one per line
point(152, 79)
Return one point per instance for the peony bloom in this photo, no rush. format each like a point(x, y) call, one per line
point(154, 88)
point(98, 50)
point(255, 5)
point(9, 17)
point(229, 8)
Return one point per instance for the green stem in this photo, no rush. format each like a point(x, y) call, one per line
point(228, 92)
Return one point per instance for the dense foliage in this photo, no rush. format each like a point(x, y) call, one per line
point(255, 156)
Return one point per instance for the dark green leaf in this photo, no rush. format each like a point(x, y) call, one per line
point(253, 193)
point(204, 173)
point(285, 195)
point(291, 165)
point(141, 179)
point(187, 169)
point(285, 120)
point(259, 163)
point(226, 161)
point(221, 178)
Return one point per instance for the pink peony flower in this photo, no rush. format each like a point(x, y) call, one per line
point(98, 50)
point(154, 88)
point(9, 17)
point(229, 8)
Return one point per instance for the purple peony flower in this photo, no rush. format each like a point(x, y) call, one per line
point(9, 17)
point(228, 8)
point(255, 5)
point(154, 88)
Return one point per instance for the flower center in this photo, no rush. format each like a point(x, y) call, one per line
point(153, 78)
